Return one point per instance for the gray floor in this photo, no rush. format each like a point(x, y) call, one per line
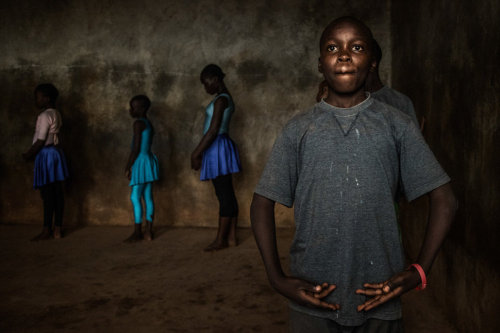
point(90, 281)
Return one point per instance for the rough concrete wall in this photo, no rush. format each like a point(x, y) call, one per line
point(101, 53)
point(445, 56)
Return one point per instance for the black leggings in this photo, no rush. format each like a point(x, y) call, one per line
point(53, 202)
point(228, 205)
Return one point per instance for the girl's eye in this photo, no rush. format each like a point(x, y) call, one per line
point(358, 48)
point(331, 48)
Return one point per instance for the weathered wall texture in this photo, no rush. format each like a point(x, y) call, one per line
point(445, 56)
point(101, 53)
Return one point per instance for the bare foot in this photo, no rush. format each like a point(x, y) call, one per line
point(232, 239)
point(45, 234)
point(215, 246)
point(57, 233)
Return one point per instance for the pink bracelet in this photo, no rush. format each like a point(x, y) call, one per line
point(423, 278)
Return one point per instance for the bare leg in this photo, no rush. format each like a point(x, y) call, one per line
point(220, 241)
point(48, 193)
point(232, 238)
point(148, 233)
point(136, 235)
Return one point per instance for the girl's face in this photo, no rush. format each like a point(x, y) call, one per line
point(41, 101)
point(135, 109)
point(211, 84)
point(345, 58)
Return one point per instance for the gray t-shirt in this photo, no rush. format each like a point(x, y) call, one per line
point(396, 99)
point(341, 179)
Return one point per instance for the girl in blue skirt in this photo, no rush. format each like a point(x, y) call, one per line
point(142, 168)
point(217, 155)
point(50, 163)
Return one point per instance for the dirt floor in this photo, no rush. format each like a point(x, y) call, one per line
point(90, 281)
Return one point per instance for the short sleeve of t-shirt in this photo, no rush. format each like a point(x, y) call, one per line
point(279, 178)
point(420, 171)
point(43, 126)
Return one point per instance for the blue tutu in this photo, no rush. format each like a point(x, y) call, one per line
point(145, 169)
point(50, 166)
point(221, 158)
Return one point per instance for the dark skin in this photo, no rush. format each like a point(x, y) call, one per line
point(227, 225)
point(137, 110)
point(345, 61)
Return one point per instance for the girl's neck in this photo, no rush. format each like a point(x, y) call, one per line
point(345, 100)
point(50, 106)
point(222, 89)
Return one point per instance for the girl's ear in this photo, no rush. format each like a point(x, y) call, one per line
point(373, 66)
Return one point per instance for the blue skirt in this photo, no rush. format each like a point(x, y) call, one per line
point(144, 170)
point(221, 158)
point(50, 166)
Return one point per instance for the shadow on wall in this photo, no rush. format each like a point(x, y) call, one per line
point(163, 142)
point(74, 134)
point(79, 142)
point(20, 203)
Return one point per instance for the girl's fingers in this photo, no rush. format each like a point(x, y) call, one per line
point(325, 290)
point(374, 285)
point(380, 300)
point(365, 306)
point(315, 302)
point(369, 292)
point(312, 295)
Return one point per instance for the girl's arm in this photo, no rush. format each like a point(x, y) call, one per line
point(43, 124)
point(35, 148)
point(298, 290)
point(443, 206)
point(219, 106)
point(139, 126)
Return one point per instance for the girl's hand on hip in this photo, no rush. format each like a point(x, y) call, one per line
point(305, 293)
point(385, 291)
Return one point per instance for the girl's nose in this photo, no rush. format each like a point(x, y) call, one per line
point(344, 56)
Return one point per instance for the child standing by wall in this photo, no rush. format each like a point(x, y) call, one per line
point(386, 94)
point(217, 155)
point(142, 168)
point(50, 168)
point(339, 165)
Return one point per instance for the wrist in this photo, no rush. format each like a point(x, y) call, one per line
point(276, 279)
point(421, 273)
